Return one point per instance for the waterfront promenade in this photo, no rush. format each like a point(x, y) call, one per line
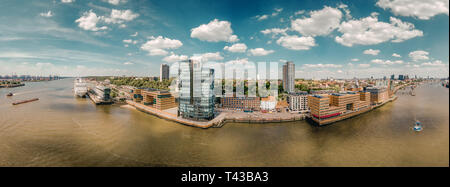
point(223, 117)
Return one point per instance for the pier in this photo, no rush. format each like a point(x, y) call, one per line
point(97, 101)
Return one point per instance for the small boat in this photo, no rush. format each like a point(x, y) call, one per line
point(10, 94)
point(418, 126)
point(25, 101)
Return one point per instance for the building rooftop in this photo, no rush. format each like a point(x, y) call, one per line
point(299, 93)
point(318, 96)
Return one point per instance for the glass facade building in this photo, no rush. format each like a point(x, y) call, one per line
point(196, 88)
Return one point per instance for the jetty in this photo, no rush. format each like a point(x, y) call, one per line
point(97, 101)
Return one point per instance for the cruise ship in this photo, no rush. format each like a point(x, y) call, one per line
point(80, 87)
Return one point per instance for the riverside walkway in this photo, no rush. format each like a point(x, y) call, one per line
point(223, 117)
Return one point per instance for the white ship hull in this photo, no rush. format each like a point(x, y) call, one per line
point(80, 87)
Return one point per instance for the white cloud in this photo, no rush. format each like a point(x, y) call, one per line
point(320, 23)
point(128, 63)
point(364, 65)
point(262, 17)
point(214, 31)
point(373, 52)
point(120, 16)
point(260, 52)
point(437, 63)
point(206, 57)
point(275, 32)
point(130, 41)
point(419, 55)
point(370, 31)
point(46, 14)
point(277, 11)
point(241, 61)
point(299, 12)
point(115, 2)
point(355, 60)
point(266, 16)
point(323, 66)
point(135, 34)
point(396, 55)
point(156, 46)
point(89, 22)
point(157, 52)
point(297, 43)
point(67, 1)
point(236, 48)
point(386, 62)
point(344, 7)
point(422, 9)
point(175, 58)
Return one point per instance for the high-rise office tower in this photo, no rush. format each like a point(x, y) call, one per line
point(164, 72)
point(288, 77)
point(196, 91)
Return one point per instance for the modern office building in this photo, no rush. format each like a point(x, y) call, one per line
point(196, 91)
point(334, 107)
point(392, 77)
point(164, 72)
point(241, 103)
point(289, 77)
point(298, 101)
point(158, 99)
point(377, 94)
point(401, 77)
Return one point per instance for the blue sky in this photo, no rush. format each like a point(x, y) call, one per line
point(324, 38)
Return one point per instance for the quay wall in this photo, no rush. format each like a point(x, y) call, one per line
point(230, 117)
point(218, 121)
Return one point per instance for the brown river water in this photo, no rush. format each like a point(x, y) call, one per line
point(61, 130)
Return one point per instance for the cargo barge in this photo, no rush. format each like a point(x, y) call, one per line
point(25, 101)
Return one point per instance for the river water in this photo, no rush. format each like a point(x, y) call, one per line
point(61, 130)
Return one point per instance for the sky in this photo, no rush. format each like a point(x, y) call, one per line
point(339, 39)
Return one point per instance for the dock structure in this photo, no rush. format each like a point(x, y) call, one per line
point(96, 101)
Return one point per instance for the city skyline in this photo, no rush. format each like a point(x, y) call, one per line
point(340, 39)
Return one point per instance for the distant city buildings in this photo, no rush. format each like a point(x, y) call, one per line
point(29, 78)
point(164, 72)
point(196, 88)
point(298, 101)
point(403, 77)
point(289, 77)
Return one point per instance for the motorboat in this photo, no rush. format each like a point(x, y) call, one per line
point(418, 126)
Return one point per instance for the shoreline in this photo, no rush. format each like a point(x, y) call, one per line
point(222, 118)
point(225, 116)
